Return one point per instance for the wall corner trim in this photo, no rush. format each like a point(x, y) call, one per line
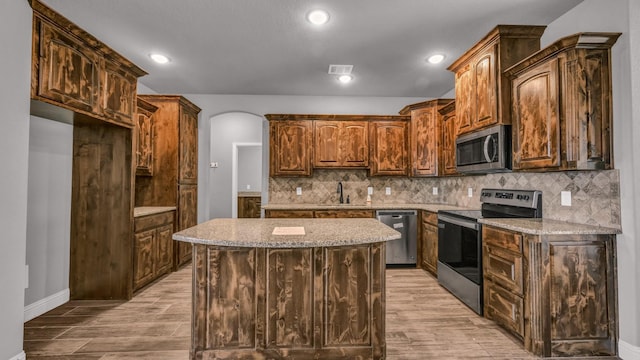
point(627, 351)
point(42, 306)
point(21, 356)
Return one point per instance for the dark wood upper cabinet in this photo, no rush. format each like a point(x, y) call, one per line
point(448, 149)
point(561, 105)
point(144, 138)
point(175, 165)
point(426, 137)
point(340, 143)
point(289, 146)
point(482, 91)
point(389, 150)
point(74, 70)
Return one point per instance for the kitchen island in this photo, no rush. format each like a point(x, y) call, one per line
point(288, 288)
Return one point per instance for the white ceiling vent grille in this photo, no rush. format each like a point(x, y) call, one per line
point(340, 69)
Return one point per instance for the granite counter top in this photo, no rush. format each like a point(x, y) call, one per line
point(259, 233)
point(549, 227)
point(374, 206)
point(150, 210)
point(249, 194)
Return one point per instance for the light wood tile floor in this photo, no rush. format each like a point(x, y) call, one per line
point(424, 321)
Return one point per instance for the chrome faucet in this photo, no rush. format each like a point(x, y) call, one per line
point(340, 192)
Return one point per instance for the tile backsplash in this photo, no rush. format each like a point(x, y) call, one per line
point(595, 194)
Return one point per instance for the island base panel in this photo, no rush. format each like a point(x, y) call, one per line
point(275, 303)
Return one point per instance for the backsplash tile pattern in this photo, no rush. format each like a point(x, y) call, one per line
point(595, 194)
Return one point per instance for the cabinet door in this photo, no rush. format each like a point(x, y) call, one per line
point(464, 103)
point(188, 148)
point(68, 70)
point(389, 155)
point(326, 144)
point(290, 148)
point(117, 94)
point(164, 249)
point(448, 147)
point(143, 271)
point(424, 144)
point(354, 144)
point(144, 147)
point(340, 144)
point(187, 217)
point(249, 207)
point(484, 90)
point(429, 247)
point(536, 142)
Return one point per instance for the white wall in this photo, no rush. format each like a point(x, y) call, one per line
point(48, 212)
point(249, 168)
point(214, 185)
point(619, 16)
point(15, 72)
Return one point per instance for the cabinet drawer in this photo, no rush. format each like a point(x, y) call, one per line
point(343, 214)
point(153, 221)
point(502, 238)
point(504, 268)
point(504, 308)
point(289, 213)
point(430, 217)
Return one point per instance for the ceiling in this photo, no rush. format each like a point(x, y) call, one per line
point(262, 47)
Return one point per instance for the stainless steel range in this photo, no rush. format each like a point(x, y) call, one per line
point(460, 239)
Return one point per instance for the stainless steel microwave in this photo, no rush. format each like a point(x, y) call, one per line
point(484, 151)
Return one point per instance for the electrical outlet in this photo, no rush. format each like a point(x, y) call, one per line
point(298, 191)
point(565, 198)
point(370, 190)
point(248, 187)
point(26, 276)
point(214, 164)
point(470, 192)
point(387, 191)
point(434, 191)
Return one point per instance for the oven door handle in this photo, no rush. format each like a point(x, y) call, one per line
point(464, 223)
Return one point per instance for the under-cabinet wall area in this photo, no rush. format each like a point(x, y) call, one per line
point(595, 194)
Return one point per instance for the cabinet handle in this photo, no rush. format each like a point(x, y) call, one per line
point(513, 272)
point(513, 312)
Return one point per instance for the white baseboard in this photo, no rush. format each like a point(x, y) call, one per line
point(42, 306)
point(627, 351)
point(21, 356)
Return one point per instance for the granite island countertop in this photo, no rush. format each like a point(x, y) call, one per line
point(374, 206)
point(549, 227)
point(259, 233)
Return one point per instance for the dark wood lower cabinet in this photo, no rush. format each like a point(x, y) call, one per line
point(249, 206)
point(153, 247)
point(557, 293)
point(428, 248)
point(307, 303)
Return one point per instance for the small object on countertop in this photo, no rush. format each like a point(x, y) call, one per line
point(348, 200)
point(368, 199)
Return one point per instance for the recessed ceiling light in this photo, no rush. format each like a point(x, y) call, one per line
point(318, 17)
point(159, 58)
point(345, 78)
point(435, 59)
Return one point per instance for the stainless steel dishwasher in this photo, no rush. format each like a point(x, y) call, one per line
point(403, 250)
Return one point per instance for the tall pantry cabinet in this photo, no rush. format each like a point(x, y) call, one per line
point(175, 165)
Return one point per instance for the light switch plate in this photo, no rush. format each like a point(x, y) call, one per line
point(470, 192)
point(565, 198)
point(434, 191)
point(387, 191)
point(370, 190)
point(298, 191)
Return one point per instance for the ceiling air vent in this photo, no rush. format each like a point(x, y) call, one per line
point(340, 69)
